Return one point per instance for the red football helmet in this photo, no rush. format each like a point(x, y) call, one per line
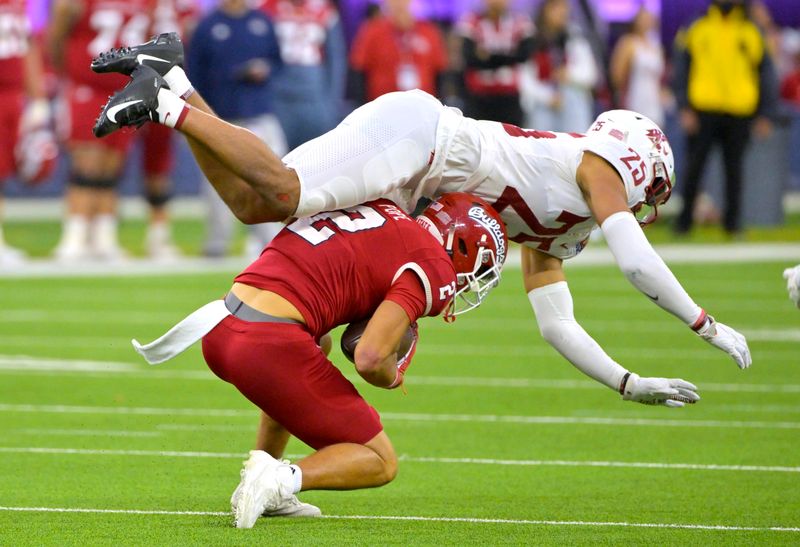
point(475, 237)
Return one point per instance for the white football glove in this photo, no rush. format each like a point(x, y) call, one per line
point(792, 277)
point(35, 115)
point(728, 340)
point(658, 391)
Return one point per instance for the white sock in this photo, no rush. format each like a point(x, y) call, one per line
point(75, 232)
point(159, 233)
point(171, 109)
point(178, 82)
point(291, 477)
point(105, 232)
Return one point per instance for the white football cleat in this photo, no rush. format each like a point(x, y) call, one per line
point(293, 507)
point(260, 490)
point(288, 507)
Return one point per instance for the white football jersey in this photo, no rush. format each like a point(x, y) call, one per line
point(531, 180)
point(404, 146)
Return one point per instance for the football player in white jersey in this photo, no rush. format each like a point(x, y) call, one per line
point(551, 190)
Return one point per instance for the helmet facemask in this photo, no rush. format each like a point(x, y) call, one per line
point(657, 193)
point(473, 287)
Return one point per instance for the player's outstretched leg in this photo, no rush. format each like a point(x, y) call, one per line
point(134, 105)
point(161, 54)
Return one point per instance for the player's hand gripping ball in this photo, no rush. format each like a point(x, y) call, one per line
point(352, 334)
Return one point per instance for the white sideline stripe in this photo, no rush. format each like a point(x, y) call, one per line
point(415, 459)
point(414, 417)
point(593, 256)
point(467, 520)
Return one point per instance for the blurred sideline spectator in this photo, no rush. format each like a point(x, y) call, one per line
point(790, 86)
point(232, 58)
point(24, 108)
point(157, 141)
point(721, 51)
point(637, 68)
point(558, 82)
point(494, 43)
point(309, 90)
point(79, 31)
point(396, 52)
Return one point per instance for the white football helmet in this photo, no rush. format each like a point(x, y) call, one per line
point(643, 136)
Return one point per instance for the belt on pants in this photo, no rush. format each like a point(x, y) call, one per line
point(246, 313)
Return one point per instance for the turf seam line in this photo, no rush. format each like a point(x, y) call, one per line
point(465, 520)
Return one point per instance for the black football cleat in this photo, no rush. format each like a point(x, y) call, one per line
point(161, 54)
point(132, 106)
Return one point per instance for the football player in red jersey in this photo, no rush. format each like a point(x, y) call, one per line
point(371, 261)
point(157, 146)
point(79, 31)
point(551, 189)
point(23, 103)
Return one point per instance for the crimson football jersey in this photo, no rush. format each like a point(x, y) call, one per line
point(503, 37)
point(337, 267)
point(14, 35)
point(301, 28)
point(105, 24)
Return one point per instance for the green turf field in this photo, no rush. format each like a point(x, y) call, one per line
point(502, 440)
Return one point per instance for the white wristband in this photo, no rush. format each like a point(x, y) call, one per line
point(178, 82)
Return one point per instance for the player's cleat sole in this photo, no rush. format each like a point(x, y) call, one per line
point(161, 54)
point(132, 106)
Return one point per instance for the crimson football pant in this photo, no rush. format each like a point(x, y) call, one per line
point(281, 370)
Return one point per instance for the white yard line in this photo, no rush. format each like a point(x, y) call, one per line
point(26, 364)
point(412, 417)
point(455, 520)
point(416, 459)
point(85, 432)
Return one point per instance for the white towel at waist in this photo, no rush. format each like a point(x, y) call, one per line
point(184, 334)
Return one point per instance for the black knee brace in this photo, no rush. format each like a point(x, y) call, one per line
point(97, 183)
point(157, 199)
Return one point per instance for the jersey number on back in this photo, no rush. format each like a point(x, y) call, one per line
point(112, 29)
point(317, 229)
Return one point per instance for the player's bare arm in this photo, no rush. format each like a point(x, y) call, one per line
point(64, 14)
point(376, 352)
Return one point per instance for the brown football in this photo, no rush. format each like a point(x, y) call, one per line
point(352, 334)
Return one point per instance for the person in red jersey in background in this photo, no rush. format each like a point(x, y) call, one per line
point(80, 30)
point(157, 145)
point(495, 43)
point(369, 262)
point(309, 89)
point(396, 52)
point(24, 108)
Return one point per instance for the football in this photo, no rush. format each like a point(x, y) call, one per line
point(352, 334)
